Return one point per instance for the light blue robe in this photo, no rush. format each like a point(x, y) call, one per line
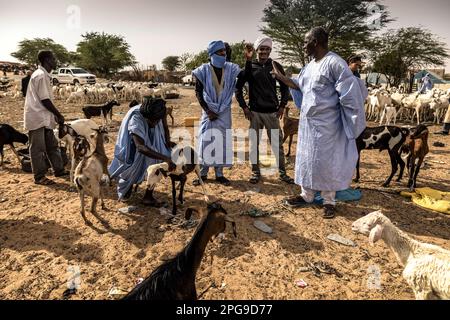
point(332, 116)
point(129, 166)
point(209, 131)
point(427, 85)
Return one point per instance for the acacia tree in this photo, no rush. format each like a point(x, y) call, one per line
point(171, 63)
point(350, 24)
point(402, 52)
point(104, 53)
point(29, 49)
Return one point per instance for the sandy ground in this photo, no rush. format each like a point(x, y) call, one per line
point(42, 234)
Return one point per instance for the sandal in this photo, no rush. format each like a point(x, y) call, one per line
point(196, 182)
point(255, 178)
point(296, 202)
point(224, 181)
point(329, 211)
point(45, 182)
point(287, 179)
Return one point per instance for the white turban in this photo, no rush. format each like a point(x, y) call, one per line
point(264, 41)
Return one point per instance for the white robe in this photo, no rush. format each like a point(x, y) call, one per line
point(332, 116)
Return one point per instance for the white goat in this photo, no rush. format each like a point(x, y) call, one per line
point(427, 267)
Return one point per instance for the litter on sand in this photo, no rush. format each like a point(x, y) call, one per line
point(301, 283)
point(128, 209)
point(255, 213)
point(339, 239)
point(117, 293)
point(262, 227)
point(430, 199)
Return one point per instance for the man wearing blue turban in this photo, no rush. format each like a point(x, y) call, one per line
point(215, 85)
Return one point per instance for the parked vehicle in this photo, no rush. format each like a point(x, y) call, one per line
point(73, 76)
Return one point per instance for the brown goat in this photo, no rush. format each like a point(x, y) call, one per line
point(416, 148)
point(175, 279)
point(290, 128)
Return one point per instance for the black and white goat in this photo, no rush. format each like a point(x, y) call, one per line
point(9, 135)
point(101, 111)
point(175, 279)
point(186, 161)
point(388, 138)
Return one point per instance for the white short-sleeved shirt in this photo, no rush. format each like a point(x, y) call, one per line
point(37, 116)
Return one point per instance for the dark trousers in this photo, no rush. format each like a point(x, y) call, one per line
point(43, 144)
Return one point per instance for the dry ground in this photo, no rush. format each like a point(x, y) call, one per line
point(42, 233)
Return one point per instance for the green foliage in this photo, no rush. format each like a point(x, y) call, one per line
point(171, 63)
point(398, 51)
point(29, 49)
point(104, 53)
point(347, 21)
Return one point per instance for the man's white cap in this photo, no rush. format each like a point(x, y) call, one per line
point(264, 41)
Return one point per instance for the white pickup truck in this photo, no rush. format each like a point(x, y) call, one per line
point(72, 76)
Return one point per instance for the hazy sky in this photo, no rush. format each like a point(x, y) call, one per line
point(156, 29)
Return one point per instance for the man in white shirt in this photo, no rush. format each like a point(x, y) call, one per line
point(40, 118)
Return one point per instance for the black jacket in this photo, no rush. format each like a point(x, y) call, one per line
point(262, 87)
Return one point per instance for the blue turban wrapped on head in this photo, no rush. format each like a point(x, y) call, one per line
point(216, 60)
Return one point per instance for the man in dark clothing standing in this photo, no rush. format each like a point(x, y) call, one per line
point(264, 110)
point(25, 82)
point(355, 64)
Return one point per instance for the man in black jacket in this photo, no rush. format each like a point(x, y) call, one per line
point(25, 82)
point(264, 110)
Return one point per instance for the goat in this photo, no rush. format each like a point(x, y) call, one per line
point(169, 113)
point(388, 138)
point(290, 128)
point(175, 279)
point(9, 135)
point(89, 173)
point(100, 111)
point(427, 267)
point(67, 134)
point(416, 148)
point(186, 160)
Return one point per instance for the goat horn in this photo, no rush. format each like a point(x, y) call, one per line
point(233, 223)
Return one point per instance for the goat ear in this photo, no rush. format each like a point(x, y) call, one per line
point(375, 234)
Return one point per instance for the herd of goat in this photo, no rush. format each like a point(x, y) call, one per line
point(103, 92)
point(389, 106)
point(426, 267)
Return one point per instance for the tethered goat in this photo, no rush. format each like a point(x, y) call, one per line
point(175, 279)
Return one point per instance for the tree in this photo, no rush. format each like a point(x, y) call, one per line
point(398, 53)
point(29, 49)
point(171, 63)
point(350, 24)
point(184, 60)
point(197, 60)
point(104, 53)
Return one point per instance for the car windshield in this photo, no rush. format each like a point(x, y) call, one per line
point(78, 71)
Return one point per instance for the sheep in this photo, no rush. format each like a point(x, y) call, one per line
point(427, 267)
point(175, 279)
point(89, 173)
point(185, 159)
point(104, 111)
point(388, 138)
point(290, 128)
point(9, 135)
point(77, 97)
point(416, 148)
